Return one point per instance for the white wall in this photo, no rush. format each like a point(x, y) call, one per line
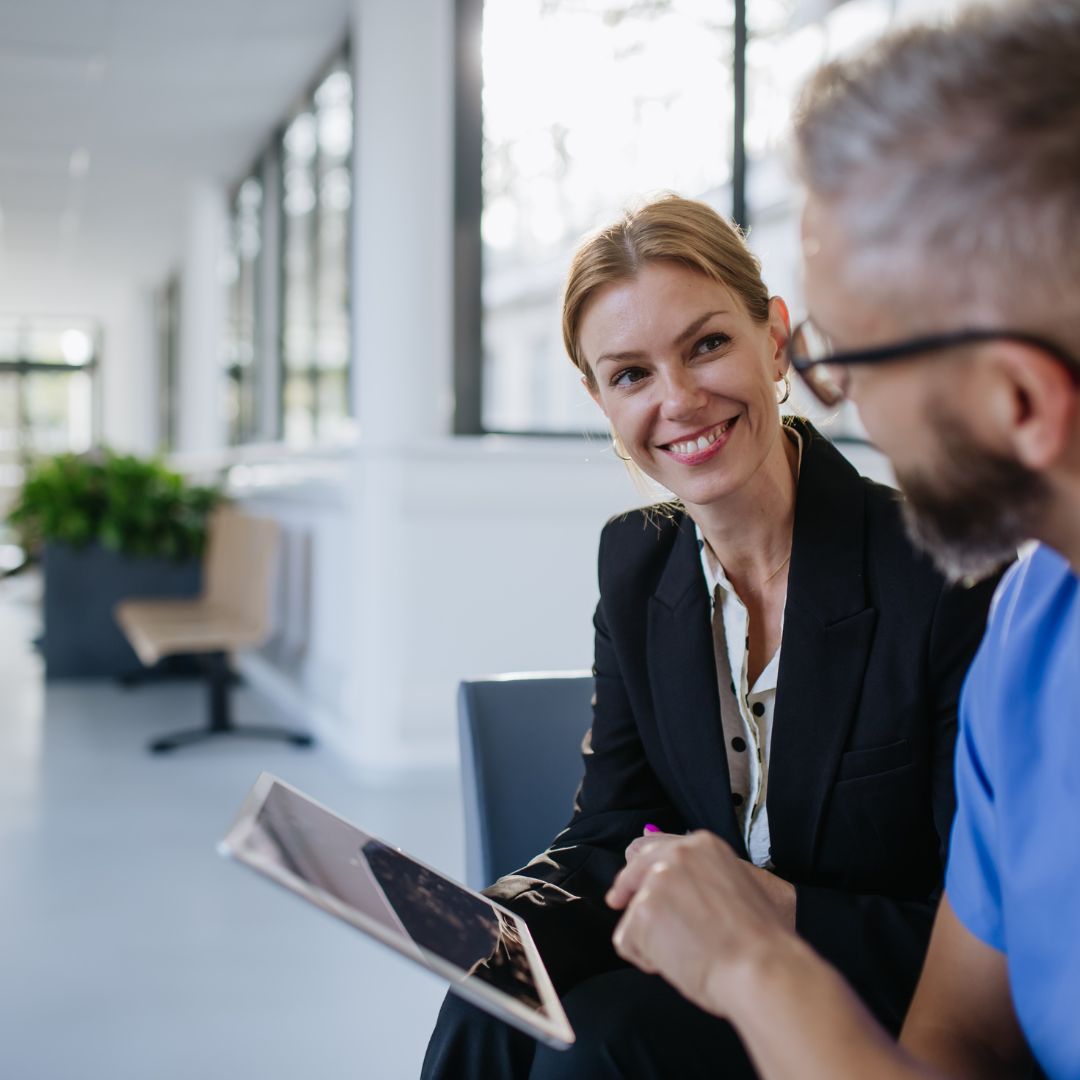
point(305, 665)
point(479, 559)
point(452, 558)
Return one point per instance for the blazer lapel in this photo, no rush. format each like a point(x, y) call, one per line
point(828, 630)
point(682, 680)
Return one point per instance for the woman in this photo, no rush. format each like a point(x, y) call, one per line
point(774, 663)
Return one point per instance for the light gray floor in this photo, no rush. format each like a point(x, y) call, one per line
point(129, 949)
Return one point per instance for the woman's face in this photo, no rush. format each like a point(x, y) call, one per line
point(686, 378)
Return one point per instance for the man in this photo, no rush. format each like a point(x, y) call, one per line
point(941, 243)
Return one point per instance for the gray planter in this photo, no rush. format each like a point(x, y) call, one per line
point(82, 586)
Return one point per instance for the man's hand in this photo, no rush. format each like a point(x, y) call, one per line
point(703, 919)
point(698, 915)
point(779, 891)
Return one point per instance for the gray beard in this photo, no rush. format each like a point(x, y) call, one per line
point(976, 508)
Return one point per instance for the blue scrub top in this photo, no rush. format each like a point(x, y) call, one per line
point(1013, 875)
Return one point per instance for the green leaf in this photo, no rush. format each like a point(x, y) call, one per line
point(129, 504)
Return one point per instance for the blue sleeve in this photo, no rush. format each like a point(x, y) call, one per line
point(971, 876)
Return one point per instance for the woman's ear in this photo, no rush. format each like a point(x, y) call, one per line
point(779, 331)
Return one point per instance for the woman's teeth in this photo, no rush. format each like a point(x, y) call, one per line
point(703, 442)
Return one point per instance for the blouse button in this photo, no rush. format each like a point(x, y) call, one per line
point(736, 798)
point(757, 709)
point(738, 744)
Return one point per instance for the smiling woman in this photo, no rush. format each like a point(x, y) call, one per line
point(650, 304)
point(774, 664)
point(682, 371)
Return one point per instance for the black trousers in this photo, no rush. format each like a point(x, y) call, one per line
point(629, 1025)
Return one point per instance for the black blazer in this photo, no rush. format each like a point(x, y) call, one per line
point(860, 799)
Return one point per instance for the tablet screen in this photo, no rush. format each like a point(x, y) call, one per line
point(404, 903)
point(454, 924)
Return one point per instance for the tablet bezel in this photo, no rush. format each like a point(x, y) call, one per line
point(550, 1026)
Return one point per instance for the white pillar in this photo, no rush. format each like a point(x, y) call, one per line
point(402, 334)
point(202, 310)
point(403, 220)
point(129, 373)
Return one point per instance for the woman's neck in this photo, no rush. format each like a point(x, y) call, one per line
point(749, 532)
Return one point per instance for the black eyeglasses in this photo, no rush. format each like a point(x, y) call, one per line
point(825, 371)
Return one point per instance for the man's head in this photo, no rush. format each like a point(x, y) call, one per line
point(943, 196)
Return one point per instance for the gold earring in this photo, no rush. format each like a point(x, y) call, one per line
point(616, 445)
point(787, 390)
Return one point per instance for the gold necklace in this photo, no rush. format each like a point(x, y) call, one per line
point(777, 570)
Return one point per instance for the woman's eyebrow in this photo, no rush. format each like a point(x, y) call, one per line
point(697, 324)
point(620, 357)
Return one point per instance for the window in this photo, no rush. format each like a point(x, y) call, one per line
point(587, 105)
point(243, 271)
point(47, 389)
point(287, 337)
point(787, 41)
point(316, 193)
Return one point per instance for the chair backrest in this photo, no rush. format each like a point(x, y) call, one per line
point(521, 764)
point(241, 555)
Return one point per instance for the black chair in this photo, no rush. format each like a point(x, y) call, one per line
point(520, 738)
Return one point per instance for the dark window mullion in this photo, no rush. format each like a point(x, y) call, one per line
point(282, 292)
point(468, 208)
point(738, 160)
point(316, 268)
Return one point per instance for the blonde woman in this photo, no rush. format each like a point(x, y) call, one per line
point(774, 663)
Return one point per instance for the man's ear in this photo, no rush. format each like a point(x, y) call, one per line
point(779, 330)
point(1038, 406)
point(594, 392)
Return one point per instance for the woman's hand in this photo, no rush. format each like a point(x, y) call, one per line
point(698, 915)
point(651, 836)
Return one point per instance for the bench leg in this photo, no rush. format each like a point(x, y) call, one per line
point(219, 681)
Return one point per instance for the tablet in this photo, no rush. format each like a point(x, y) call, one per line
point(485, 952)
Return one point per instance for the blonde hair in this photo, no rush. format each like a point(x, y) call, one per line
point(672, 228)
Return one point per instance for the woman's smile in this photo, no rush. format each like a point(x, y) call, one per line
point(701, 446)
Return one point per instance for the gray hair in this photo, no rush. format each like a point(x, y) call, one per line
point(950, 156)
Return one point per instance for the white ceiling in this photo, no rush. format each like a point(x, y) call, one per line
point(148, 95)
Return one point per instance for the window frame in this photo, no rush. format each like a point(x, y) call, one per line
point(21, 366)
point(342, 56)
point(468, 206)
point(237, 435)
point(269, 370)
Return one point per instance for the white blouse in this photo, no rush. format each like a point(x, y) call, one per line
point(746, 711)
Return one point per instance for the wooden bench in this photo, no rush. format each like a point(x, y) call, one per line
point(232, 612)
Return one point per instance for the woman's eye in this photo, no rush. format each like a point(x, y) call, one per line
point(711, 343)
point(628, 376)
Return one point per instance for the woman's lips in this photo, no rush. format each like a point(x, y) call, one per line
point(715, 440)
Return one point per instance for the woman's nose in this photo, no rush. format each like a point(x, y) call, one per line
point(683, 395)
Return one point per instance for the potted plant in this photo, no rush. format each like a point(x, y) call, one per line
point(107, 526)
